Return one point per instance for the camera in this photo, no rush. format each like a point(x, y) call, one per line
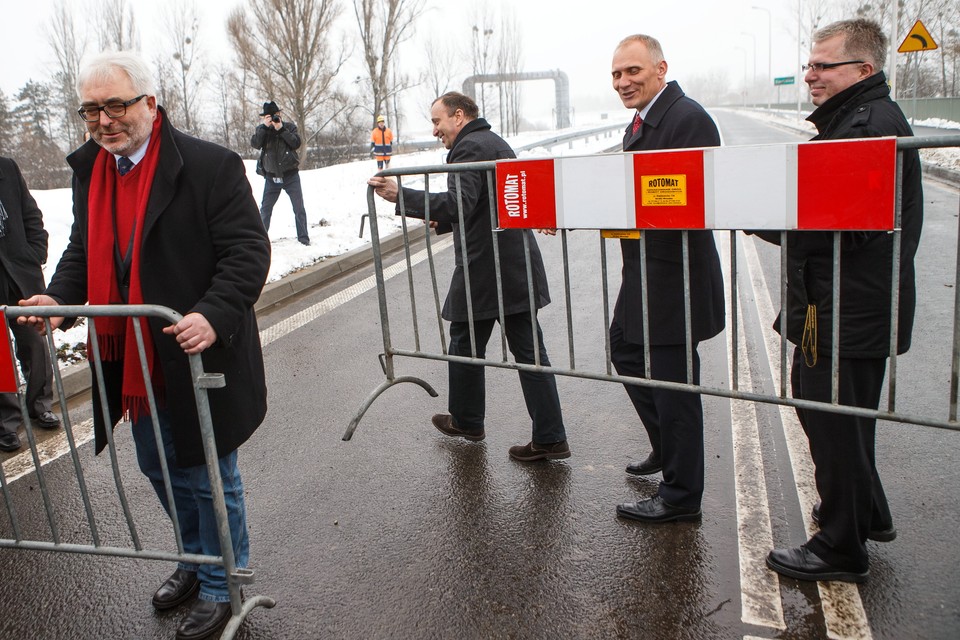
point(275, 118)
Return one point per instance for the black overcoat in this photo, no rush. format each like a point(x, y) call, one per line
point(673, 122)
point(864, 110)
point(23, 245)
point(476, 143)
point(204, 250)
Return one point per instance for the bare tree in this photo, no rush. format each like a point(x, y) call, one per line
point(443, 65)
point(232, 109)
point(115, 26)
point(182, 25)
point(68, 48)
point(509, 61)
point(284, 44)
point(481, 47)
point(384, 25)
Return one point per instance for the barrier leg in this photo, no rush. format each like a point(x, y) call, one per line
point(376, 394)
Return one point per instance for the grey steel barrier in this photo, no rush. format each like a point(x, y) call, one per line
point(202, 381)
point(781, 398)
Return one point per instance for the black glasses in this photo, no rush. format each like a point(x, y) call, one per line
point(817, 67)
point(112, 109)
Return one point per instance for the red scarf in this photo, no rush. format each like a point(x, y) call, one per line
point(127, 196)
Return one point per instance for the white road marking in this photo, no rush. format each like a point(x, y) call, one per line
point(57, 446)
point(843, 610)
point(49, 450)
point(760, 601)
point(313, 312)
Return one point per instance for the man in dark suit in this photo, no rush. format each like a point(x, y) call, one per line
point(849, 89)
point(23, 251)
point(164, 218)
point(457, 123)
point(664, 119)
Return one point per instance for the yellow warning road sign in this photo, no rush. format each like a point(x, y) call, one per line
point(919, 39)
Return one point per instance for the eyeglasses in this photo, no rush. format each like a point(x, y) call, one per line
point(112, 109)
point(817, 67)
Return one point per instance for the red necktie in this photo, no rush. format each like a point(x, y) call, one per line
point(637, 121)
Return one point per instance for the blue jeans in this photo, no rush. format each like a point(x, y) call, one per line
point(194, 504)
point(271, 193)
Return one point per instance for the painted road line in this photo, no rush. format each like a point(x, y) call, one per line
point(297, 320)
point(49, 450)
point(55, 447)
point(843, 611)
point(760, 602)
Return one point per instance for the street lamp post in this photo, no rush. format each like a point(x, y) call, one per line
point(753, 80)
point(743, 91)
point(769, 47)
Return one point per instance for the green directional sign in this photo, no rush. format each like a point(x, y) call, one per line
point(785, 80)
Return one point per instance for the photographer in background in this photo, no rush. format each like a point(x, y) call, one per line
point(279, 165)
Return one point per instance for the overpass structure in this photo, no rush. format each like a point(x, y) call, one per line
point(561, 88)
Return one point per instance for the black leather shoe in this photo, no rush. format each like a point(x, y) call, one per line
point(178, 588)
point(204, 620)
point(46, 420)
point(444, 423)
point(656, 510)
point(877, 535)
point(9, 442)
point(648, 467)
point(802, 564)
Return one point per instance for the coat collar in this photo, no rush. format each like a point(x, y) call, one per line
point(82, 160)
point(477, 124)
point(671, 93)
point(836, 107)
point(169, 165)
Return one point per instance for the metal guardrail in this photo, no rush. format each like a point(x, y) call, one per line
point(12, 533)
point(781, 398)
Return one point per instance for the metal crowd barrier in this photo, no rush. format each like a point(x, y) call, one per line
point(12, 533)
point(390, 351)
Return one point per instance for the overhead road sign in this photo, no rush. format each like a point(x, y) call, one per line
point(919, 39)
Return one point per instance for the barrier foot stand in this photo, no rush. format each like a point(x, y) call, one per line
point(233, 625)
point(376, 394)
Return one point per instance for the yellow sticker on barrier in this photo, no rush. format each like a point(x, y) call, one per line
point(664, 191)
point(620, 234)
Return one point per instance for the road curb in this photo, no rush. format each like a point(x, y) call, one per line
point(76, 378)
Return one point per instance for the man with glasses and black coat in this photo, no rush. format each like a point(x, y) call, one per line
point(850, 91)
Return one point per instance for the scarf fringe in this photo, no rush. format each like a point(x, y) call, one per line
point(136, 406)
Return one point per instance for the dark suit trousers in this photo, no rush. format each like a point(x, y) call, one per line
point(843, 451)
point(31, 352)
point(467, 399)
point(673, 419)
point(271, 193)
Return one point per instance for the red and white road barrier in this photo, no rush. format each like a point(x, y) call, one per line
point(828, 185)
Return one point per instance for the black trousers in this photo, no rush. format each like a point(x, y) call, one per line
point(31, 352)
point(271, 193)
point(843, 451)
point(467, 399)
point(673, 419)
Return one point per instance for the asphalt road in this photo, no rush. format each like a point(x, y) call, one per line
point(404, 533)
